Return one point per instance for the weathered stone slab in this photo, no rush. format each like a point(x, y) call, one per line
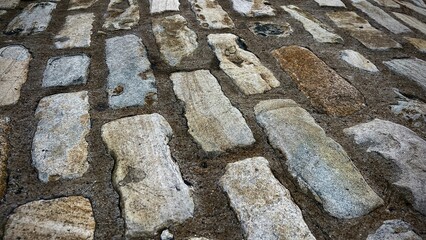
point(131, 81)
point(326, 89)
point(76, 31)
point(318, 163)
point(380, 16)
point(4, 153)
point(412, 22)
point(213, 122)
point(420, 44)
point(59, 148)
point(421, 10)
point(253, 8)
point(33, 19)
point(412, 68)
point(319, 31)
point(358, 60)
point(387, 3)
point(9, 4)
point(66, 70)
point(361, 30)
point(330, 3)
point(401, 146)
point(14, 64)
point(60, 218)
point(174, 38)
point(245, 69)
point(263, 206)
point(152, 192)
point(419, 3)
point(121, 16)
point(267, 29)
point(80, 4)
point(159, 6)
point(394, 230)
point(412, 110)
point(211, 15)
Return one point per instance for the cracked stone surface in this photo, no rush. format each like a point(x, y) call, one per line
point(66, 70)
point(77, 31)
point(211, 15)
point(121, 17)
point(413, 110)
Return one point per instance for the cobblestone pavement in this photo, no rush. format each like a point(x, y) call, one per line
point(213, 119)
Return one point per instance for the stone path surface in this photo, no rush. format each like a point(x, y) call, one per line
point(212, 119)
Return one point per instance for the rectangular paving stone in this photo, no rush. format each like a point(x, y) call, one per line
point(14, 64)
point(34, 18)
point(387, 3)
point(59, 218)
point(326, 89)
point(318, 163)
point(250, 8)
point(213, 122)
point(66, 71)
point(4, 153)
point(419, 43)
point(210, 14)
point(263, 206)
point(319, 31)
point(243, 67)
point(174, 39)
point(9, 4)
point(59, 148)
point(159, 6)
point(412, 22)
point(76, 32)
point(361, 30)
point(131, 81)
point(330, 3)
point(121, 16)
point(412, 68)
point(153, 194)
point(80, 4)
point(380, 16)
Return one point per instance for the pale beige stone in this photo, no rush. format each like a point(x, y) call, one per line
point(357, 60)
point(210, 14)
point(420, 44)
point(159, 6)
point(76, 32)
point(330, 3)
point(80, 4)
point(121, 16)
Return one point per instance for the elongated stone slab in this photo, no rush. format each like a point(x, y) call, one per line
point(421, 10)
point(419, 3)
point(358, 60)
point(253, 8)
point(412, 22)
point(401, 146)
point(14, 64)
point(60, 218)
point(9, 4)
point(387, 3)
point(131, 81)
point(66, 70)
point(76, 31)
point(245, 69)
point(153, 195)
point(121, 16)
point(412, 68)
point(159, 6)
point(80, 4)
point(4, 153)
point(213, 122)
point(361, 30)
point(267, 29)
point(59, 146)
point(380, 16)
point(211, 15)
point(174, 38)
point(263, 206)
point(394, 230)
point(418, 43)
point(318, 163)
point(330, 3)
point(34, 18)
point(319, 31)
point(326, 89)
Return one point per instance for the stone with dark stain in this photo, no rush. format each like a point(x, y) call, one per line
point(267, 29)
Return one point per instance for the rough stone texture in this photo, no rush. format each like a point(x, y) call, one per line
point(2, 12)
point(326, 89)
point(263, 206)
point(394, 230)
point(121, 16)
point(152, 192)
point(253, 8)
point(198, 238)
point(319, 31)
point(76, 31)
point(131, 81)
point(80, 4)
point(270, 29)
point(412, 110)
point(245, 69)
point(361, 30)
point(9, 4)
point(159, 6)
point(59, 148)
point(380, 16)
point(412, 22)
point(421, 10)
point(33, 19)
point(358, 60)
point(14, 64)
point(387, 3)
point(210, 14)
point(174, 38)
point(66, 70)
point(4, 153)
point(317, 162)
point(166, 235)
point(330, 3)
point(401, 146)
point(412, 68)
point(420, 44)
point(60, 218)
point(213, 122)
point(419, 3)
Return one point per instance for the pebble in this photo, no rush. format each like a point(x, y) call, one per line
point(66, 71)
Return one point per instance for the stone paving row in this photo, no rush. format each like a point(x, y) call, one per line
point(213, 119)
